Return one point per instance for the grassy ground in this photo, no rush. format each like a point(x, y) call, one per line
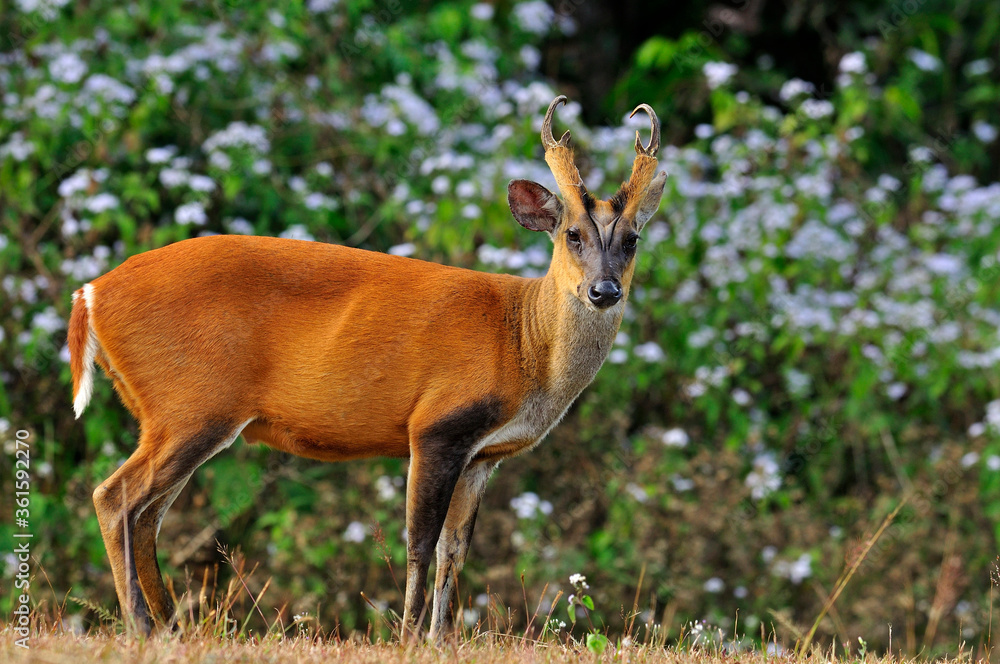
point(74, 649)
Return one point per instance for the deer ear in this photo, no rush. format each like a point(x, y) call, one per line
point(650, 200)
point(535, 207)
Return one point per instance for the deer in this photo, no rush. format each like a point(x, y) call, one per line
point(336, 353)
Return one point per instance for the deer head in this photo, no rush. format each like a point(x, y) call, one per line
point(595, 240)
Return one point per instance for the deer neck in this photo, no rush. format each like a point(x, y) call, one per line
point(565, 341)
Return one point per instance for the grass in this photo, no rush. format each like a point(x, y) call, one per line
point(207, 632)
point(63, 646)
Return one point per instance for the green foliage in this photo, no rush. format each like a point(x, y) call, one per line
point(812, 328)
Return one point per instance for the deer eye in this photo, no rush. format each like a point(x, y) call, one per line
point(629, 242)
point(573, 235)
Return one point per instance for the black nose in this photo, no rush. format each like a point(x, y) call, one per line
point(605, 294)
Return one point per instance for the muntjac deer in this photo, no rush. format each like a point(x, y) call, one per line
point(335, 353)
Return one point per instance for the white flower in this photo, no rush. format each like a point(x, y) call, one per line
point(853, 63)
point(534, 16)
point(297, 232)
point(675, 437)
point(79, 181)
point(48, 321)
point(407, 249)
point(318, 201)
point(704, 131)
point(978, 67)
point(795, 571)
point(993, 462)
point(356, 532)
point(481, 11)
point(797, 382)
point(238, 134)
point(741, 397)
point(896, 391)
point(17, 147)
point(320, 6)
point(718, 73)
point(528, 505)
point(714, 585)
point(191, 213)
point(174, 177)
point(578, 579)
point(816, 108)
point(201, 183)
point(465, 189)
point(530, 56)
point(984, 131)
point(618, 356)
point(440, 184)
point(385, 487)
point(636, 492)
point(681, 484)
point(68, 68)
point(103, 87)
point(161, 155)
point(702, 337)
point(649, 351)
point(240, 226)
point(969, 459)
point(993, 416)
point(102, 203)
point(924, 60)
point(765, 477)
point(794, 88)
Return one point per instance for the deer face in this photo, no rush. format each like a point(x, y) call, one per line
point(595, 240)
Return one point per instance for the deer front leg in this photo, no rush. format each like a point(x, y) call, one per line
point(453, 545)
point(429, 488)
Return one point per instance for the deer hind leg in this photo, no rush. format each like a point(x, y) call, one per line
point(453, 546)
point(161, 606)
point(149, 480)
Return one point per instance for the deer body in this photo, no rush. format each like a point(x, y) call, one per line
point(335, 353)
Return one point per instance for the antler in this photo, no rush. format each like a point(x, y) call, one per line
point(548, 140)
point(559, 157)
point(630, 194)
point(654, 138)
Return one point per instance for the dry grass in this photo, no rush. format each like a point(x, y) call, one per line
point(72, 649)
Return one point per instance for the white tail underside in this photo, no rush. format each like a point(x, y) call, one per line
point(86, 389)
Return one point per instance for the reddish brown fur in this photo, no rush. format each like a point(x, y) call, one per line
point(302, 305)
point(77, 338)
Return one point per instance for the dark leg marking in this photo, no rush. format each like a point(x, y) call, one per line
point(440, 455)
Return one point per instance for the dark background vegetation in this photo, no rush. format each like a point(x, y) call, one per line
point(745, 441)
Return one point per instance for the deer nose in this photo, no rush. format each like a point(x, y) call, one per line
point(605, 294)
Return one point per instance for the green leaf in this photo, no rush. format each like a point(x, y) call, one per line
point(587, 601)
point(597, 643)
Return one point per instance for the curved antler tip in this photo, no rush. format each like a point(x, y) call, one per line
point(547, 139)
point(642, 107)
point(654, 125)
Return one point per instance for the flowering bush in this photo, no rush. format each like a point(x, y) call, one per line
point(812, 330)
